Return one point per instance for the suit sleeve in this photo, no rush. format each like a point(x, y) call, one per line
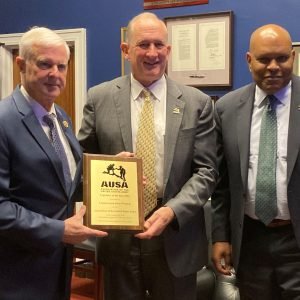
point(19, 226)
point(198, 187)
point(87, 135)
point(220, 200)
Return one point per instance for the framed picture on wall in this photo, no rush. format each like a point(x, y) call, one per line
point(201, 49)
point(296, 69)
point(151, 4)
point(125, 66)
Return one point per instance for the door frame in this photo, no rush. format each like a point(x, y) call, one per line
point(74, 37)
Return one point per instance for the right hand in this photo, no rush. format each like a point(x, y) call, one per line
point(75, 232)
point(221, 257)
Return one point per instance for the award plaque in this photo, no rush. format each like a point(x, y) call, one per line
point(112, 192)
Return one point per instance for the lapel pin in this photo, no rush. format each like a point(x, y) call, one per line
point(298, 107)
point(66, 124)
point(176, 110)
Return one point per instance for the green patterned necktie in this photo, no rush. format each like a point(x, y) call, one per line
point(145, 148)
point(266, 197)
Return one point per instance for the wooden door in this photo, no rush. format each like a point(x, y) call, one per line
point(67, 98)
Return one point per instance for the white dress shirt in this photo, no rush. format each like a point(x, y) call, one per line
point(282, 113)
point(158, 95)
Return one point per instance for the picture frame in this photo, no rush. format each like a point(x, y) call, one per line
point(201, 53)
point(296, 67)
point(153, 4)
point(125, 65)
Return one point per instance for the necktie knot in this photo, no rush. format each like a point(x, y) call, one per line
point(49, 120)
point(272, 102)
point(147, 95)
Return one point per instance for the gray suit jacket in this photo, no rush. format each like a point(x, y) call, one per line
point(189, 166)
point(233, 120)
point(35, 264)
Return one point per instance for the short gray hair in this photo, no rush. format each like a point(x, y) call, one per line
point(40, 36)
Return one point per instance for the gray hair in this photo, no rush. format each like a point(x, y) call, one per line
point(41, 36)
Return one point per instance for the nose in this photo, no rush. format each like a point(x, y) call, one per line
point(53, 70)
point(273, 65)
point(152, 50)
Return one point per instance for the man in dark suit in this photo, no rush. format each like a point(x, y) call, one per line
point(163, 260)
point(256, 205)
point(37, 185)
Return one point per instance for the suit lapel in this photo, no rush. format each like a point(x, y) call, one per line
point(39, 135)
point(67, 129)
point(294, 125)
point(75, 147)
point(244, 113)
point(121, 98)
point(35, 129)
point(174, 114)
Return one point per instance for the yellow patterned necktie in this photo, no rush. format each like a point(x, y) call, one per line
point(145, 149)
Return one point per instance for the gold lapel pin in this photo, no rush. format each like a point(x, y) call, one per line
point(176, 110)
point(66, 124)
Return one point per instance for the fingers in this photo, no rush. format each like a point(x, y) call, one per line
point(81, 211)
point(125, 154)
point(223, 268)
point(96, 233)
point(221, 257)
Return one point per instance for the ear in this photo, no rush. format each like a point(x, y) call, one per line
point(21, 64)
point(125, 50)
point(168, 49)
point(249, 58)
point(293, 54)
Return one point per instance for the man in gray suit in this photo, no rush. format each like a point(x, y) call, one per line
point(164, 259)
point(256, 217)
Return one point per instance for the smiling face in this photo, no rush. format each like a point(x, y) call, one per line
point(147, 50)
point(44, 74)
point(271, 58)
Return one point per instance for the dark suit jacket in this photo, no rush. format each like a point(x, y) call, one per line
point(233, 114)
point(33, 205)
point(189, 166)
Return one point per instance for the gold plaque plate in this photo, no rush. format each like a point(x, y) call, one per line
point(112, 191)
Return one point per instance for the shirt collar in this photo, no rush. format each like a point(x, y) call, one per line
point(37, 108)
point(282, 95)
point(157, 88)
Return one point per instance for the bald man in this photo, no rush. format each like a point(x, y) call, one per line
point(160, 263)
point(256, 223)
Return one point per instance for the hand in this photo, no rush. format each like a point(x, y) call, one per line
point(125, 154)
point(156, 224)
point(75, 232)
point(221, 257)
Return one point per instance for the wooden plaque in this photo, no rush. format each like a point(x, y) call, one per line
point(112, 192)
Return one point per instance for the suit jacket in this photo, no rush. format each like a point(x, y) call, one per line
point(233, 114)
point(33, 204)
point(189, 164)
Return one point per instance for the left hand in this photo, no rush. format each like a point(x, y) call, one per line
point(157, 223)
